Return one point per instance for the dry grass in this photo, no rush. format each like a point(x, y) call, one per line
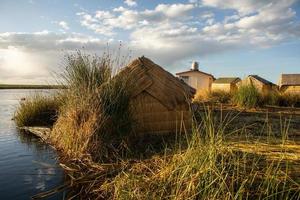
point(213, 96)
point(37, 110)
point(94, 121)
point(208, 164)
point(247, 96)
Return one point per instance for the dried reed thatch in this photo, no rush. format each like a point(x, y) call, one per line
point(290, 83)
point(260, 83)
point(289, 79)
point(228, 84)
point(160, 101)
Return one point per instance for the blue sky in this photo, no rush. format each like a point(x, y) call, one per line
point(226, 37)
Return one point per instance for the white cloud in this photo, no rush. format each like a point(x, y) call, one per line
point(185, 30)
point(272, 24)
point(34, 57)
point(105, 22)
point(131, 3)
point(64, 25)
point(174, 10)
point(207, 15)
point(246, 6)
point(49, 41)
point(168, 33)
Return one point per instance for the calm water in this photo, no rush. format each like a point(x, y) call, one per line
point(27, 166)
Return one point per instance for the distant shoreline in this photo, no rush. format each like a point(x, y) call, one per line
point(12, 86)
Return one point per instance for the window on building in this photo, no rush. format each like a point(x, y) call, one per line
point(185, 79)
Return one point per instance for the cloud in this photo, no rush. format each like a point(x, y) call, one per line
point(130, 3)
point(247, 6)
point(18, 66)
point(49, 41)
point(34, 57)
point(107, 22)
point(258, 23)
point(64, 25)
point(168, 33)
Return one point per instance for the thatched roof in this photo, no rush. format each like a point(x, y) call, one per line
point(227, 80)
point(162, 85)
point(289, 80)
point(194, 71)
point(262, 80)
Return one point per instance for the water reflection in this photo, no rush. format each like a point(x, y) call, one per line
point(27, 166)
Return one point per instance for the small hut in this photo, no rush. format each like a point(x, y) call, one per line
point(290, 83)
point(160, 101)
point(227, 84)
point(260, 83)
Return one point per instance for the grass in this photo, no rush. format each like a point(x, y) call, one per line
point(247, 96)
point(288, 99)
point(203, 165)
point(219, 96)
point(95, 120)
point(37, 110)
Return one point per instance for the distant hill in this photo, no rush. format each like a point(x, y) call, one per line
point(12, 86)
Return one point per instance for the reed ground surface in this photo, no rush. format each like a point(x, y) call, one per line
point(261, 143)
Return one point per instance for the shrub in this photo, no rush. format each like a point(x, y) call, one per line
point(289, 99)
point(95, 119)
point(218, 96)
point(201, 96)
point(281, 99)
point(270, 98)
point(247, 96)
point(37, 110)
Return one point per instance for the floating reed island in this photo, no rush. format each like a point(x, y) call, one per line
point(133, 135)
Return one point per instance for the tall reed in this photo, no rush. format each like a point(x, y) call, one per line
point(95, 119)
point(247, 96)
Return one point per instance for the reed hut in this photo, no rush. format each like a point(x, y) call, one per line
point(260, 83)
point(227, 84)
point(160, 101)
point(290, 83)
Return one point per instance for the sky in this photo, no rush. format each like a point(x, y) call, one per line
point(226, 37)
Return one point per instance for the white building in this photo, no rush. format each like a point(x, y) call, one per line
point(196, 79)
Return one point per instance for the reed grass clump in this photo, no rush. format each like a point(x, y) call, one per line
point(218, 96)
point(203, 165)
point(38, 110)
point(247, 96)
point(289, 99)
point(270, 98)
point(95, 119)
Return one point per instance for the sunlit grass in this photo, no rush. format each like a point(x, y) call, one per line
point(206, 164)
point(94, 120)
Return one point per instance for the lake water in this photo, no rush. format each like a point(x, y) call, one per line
point(27, 166)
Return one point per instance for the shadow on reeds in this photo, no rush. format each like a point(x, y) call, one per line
point(38, 110)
